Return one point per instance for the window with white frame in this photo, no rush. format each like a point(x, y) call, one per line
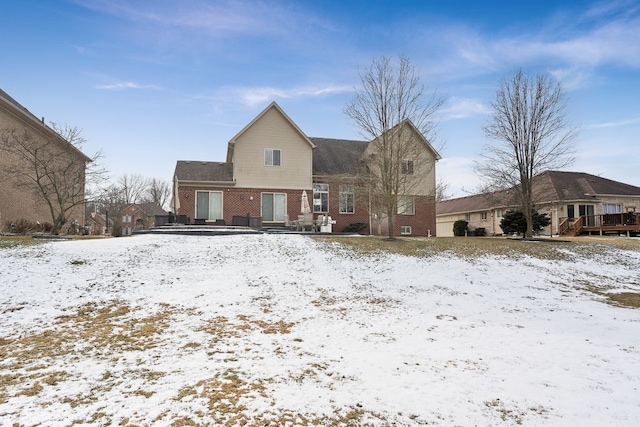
point(126, 218)
point(321, 198)
point(272, 157)
point(405, 230)
point(347, 197)
point(611, 208)
point(467, 217)
point(406, 205)
point(407, 167)
point(209, 205)
point(483, 215)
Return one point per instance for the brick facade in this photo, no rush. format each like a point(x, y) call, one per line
point(301, 163)
point(19, 203)
point(248, 201)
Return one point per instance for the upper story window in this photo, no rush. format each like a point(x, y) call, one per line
point(483, 215)
point(321, 198)
point(126, 218)
point(272, 157)
point(407, 167)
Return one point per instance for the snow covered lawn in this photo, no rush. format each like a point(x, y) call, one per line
point(287, 330)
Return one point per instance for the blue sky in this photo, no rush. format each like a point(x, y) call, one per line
point(151, 82)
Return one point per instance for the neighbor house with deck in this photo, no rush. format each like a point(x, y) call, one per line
point(272, 166)
point(577, 203)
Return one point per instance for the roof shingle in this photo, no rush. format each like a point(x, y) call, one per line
point(337, 156)
point(187, 170)
point(549, 186)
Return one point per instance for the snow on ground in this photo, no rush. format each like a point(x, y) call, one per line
point(287, 330)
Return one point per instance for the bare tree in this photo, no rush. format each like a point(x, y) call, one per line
point(530, 135)
point(53, 167)
point(442, 188)
point(391, 104)
point(127, 190)
point(158, 192)
point(132, 188)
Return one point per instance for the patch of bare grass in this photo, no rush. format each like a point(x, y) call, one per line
point(625, 299)
point(14, 241)
point(226, 398)
point(514, 414)
point(89, 330)
point(464, 247)
point(221, 327)
point(471, 248)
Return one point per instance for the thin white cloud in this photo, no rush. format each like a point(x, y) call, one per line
point(615, 124)
point(120, 85)
point(459, 108)
point(253, 96)
point(222, 17)
point(572, 78)
point(576, 44)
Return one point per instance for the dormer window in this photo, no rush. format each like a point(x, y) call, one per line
point(271, 157)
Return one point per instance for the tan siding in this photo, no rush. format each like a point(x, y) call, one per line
point(17, 203)
point(272, 131)
point(444, 224)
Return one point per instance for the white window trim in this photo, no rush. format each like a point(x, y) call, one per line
point(195, 198)
point(405, 170)
point(286, 204)
point(405, 230)
point(272, 150)
point(606, 207)
point(413, 206)
point(313, 198)
point(353, 202)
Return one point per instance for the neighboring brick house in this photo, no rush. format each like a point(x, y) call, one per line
point(15, 202)
point(96, 224)
point(576, 202)
point(136, 217)
point(271, 162)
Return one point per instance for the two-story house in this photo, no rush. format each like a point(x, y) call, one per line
point(271, 163)
point(138, 216)
point(22, 136)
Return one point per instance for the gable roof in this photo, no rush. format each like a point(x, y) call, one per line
point(151, 209)
point(578, 185)
point(549, 186)
point(39, 123)
point(336, 156)
point(273, 105)
point(408, 123)
point(187, 170)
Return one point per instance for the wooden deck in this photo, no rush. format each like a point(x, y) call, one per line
point(619, 223)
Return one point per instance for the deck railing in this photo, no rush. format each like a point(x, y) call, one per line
point(616, 221)
point(564, 226)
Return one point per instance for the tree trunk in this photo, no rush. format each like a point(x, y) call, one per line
point(391, 224)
